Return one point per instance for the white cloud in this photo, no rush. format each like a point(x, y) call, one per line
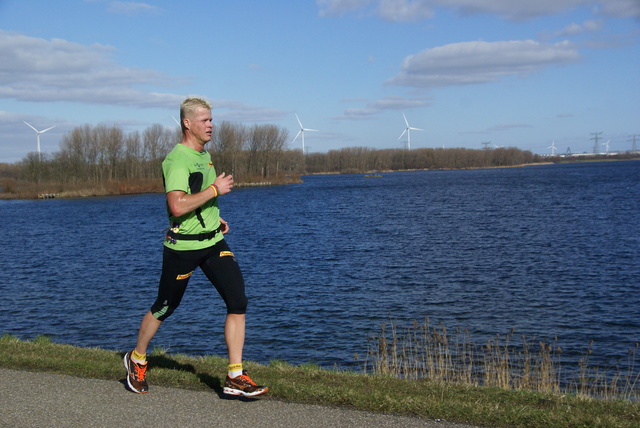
point(621, 8)
point(509, 9)
point(341, 7)
point(480, 62)
point(387, 103)
point(585, 27)
point(575, 29)
point(236, 111)
point(35, 69)
point(39, 70)
point(130, 8)
point(404, 10)
point(417, 10)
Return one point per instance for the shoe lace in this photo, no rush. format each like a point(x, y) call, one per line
point(140, 371)
point(247, 379)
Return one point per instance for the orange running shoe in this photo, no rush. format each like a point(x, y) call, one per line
point(243, 385)
point(136, 374)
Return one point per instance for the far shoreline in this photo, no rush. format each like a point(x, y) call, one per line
point(120, 188)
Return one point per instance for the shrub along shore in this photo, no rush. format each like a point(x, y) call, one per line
point(425, 398)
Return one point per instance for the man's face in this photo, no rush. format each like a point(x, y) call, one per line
point(201, 125)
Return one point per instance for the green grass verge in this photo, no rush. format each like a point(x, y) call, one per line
point(482, 406)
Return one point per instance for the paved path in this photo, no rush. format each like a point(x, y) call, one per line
point(29, 399)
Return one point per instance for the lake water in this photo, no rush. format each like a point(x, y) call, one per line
point(550, 250)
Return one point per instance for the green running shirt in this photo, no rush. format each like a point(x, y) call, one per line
point(191, 171)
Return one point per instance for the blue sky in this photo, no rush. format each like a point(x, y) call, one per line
point(513, 72)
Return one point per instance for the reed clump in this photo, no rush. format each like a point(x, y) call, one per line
point(510, 362)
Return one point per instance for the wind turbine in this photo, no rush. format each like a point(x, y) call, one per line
point(38, 135)
point(553, 148)
point(607, 146)
point(408, 130)
point(301, 132)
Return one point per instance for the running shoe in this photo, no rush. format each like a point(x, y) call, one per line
point(136, 375)
point(243, 385)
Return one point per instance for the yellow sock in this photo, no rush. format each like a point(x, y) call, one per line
point(235, 370)
point(138, 358)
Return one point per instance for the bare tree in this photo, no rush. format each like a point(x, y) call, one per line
point(228, 143)
point(32, 170)
point(154, 149)
point(133, 156)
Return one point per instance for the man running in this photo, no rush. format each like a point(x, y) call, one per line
point(195, 239)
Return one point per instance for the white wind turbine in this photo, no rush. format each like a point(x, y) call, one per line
point(607, 146)
point(38, 135)
point(553, 148)
point(407, 131)
point(301, 132)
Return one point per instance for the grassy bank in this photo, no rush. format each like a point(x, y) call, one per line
point(482, 406)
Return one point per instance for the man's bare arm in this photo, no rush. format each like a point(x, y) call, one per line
point(181, 203)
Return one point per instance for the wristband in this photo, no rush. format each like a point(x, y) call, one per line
point(216, 192)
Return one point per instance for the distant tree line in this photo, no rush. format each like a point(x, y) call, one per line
point(90, 155)
point(360, 159)
point(95, 154)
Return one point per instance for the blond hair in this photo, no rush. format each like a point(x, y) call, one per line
point(189, 105)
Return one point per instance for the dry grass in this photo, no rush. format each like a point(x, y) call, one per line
point(425, 351)
point(14, 189)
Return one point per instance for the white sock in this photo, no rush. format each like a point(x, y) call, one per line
point(235, 370)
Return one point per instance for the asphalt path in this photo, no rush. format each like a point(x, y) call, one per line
point(34, 399)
